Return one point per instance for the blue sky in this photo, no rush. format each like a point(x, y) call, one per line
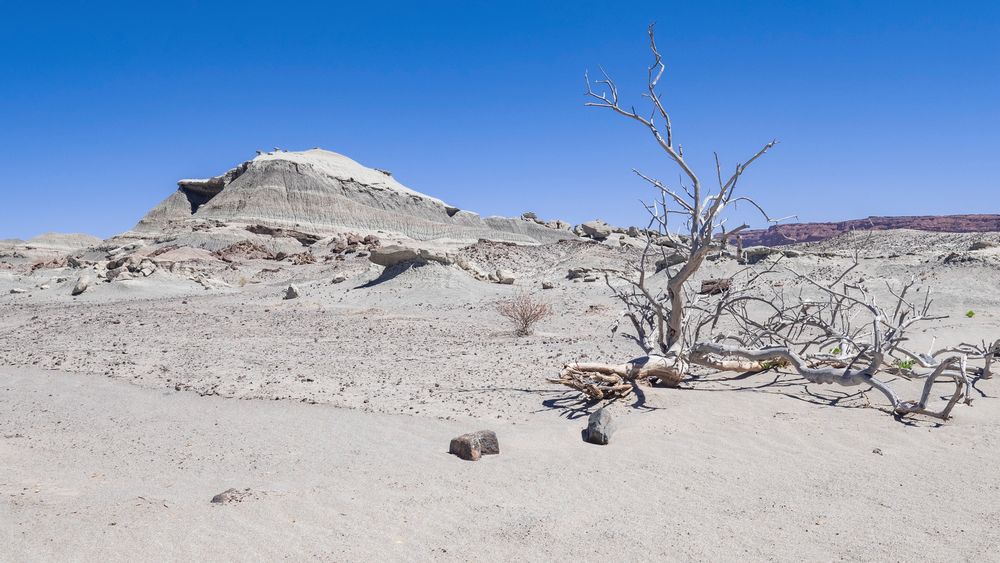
point(884, 108)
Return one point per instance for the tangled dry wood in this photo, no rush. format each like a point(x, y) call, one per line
point(828, 333)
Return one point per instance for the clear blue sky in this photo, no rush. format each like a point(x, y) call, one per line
point(881, 107)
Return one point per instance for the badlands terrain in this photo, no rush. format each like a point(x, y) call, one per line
point(312, 333)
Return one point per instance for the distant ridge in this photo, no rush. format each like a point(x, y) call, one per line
point(792, 233)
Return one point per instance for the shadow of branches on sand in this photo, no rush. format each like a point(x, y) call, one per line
point(573, 405)
point(792, 386)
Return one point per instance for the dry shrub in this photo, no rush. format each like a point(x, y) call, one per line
point(523, 310)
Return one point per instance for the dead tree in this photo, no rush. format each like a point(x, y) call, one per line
point(658, 319)
point(676, 326)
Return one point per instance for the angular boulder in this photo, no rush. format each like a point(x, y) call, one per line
point(82, 283)
point(600, 427)
point(392, 255)
point(474, 445)
point(671, 259)
point(597, 230)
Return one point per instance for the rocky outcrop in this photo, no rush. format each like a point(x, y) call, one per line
point(319, 192)
point(812, 232)
point(395, 254)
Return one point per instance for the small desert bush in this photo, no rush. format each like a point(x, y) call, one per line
point(523, 310)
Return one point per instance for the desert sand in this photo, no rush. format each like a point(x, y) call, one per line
point(183, 371)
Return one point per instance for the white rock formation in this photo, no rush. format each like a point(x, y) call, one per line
point(322, 191)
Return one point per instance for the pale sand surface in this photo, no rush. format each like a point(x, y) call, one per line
point(168, 394)
point(95, 469)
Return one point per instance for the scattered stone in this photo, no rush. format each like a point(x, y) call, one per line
point(19, 290)
point(82, 283)
point(590, 279)
point(757, 253)
point(504, 277)
point(339, 278)
point(547, 285)
point(633, 232)
point(669, 260)
point(577, 273)
point(230, 495)
point(982, 245)
point(600, 427)
point(474, 445)
point(877, 451)
point(146, 268)
point(667, 241)
point(292, 292)
point(597, 230)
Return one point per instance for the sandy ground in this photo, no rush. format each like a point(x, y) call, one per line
point(98, 470)
point(125, 410)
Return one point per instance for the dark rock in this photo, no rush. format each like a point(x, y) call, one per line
point(230, 495)
point(474, 445)
point(671, 259)
point(600, 426)
point(305, 239)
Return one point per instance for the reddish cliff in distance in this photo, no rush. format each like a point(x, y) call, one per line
point(811, 232)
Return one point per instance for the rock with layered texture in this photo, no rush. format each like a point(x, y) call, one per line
point(790, 233)
point(318, 191)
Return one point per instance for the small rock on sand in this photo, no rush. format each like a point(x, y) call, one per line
point(230, 495)
point(600, 427)
point(504, 277)
point(19, 290)
point(339, 278)
point(81, 285)
point(292, 292)
point(474, 445)
point(547, 285)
